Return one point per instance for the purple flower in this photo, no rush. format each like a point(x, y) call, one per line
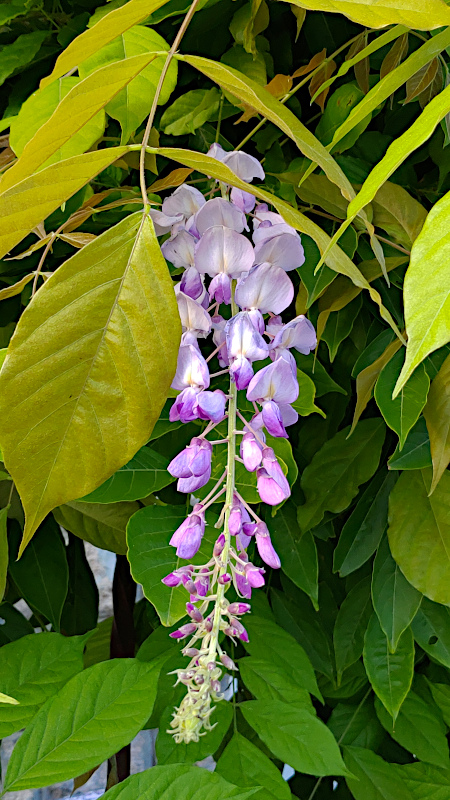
point(265, 546)
point(243, 586)
point(244, 345)
point(274, 382)
point(184, 407)
point(220, 288)
point(216, 151)
point(250, 451)
point(254, 575)
point(193, 316)
point(188, 536)
point(243, 200)
point(192, 369)
point(211, 405)
point(162, 222)
point(265, 288)
point(266, 231)
point(183, 202)
point(244, 165)
point(272, 483)
point(298, 333)
point(179, 249)
point(238, 608)
point(219, 338)
point(223, 250)
point(285, 251)
point(194, 460)
point(192, 284)
point(202, 583)
point(219, 211)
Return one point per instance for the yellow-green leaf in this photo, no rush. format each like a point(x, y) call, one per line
point(76, 108)
point(437, 417)
point(396, 154)
point(427, 289)
point(5, 698)
point(336, 259)
point(16, 288)
point(4, 553)
point(261, 100)
point(392, 81)
point(422, 14)
point(88, 369)
point(106, 29)
point(131, 105)
point(29, 202)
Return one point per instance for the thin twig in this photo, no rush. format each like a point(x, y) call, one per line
point(151, 117)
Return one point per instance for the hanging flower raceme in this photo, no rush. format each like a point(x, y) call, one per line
point(234, 289)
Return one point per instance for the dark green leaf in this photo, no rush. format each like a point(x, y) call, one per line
point(190, 111)
point(268, 681)
point(145, 474)
point(403, 412)
point(331, 481)
point(425, 781)
point(295, 736)
point(356, 725)
point(416, 452)
point(249, 766)
point(431, 629)
point(395, 601)
point(80, 611)
point(102, 525)
point(297, 550)
point(365, 526)
point(350, 627)
point(418, 728)
point(389, 673)
point(374, 779)
point(176, 782)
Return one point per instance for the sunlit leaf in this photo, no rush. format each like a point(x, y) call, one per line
point(99, 372)
point(108, 28)
point(392, 12)
point(170, 782)
point(437, 416)
point(249, 766)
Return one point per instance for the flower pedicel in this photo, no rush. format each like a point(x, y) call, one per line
point(223, 266)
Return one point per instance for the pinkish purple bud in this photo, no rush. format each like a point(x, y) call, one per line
point(195, 459)
point(185, 630)
point(194, 613)
point(215, 686)
point(238, 608)
point(191, 652)
point(227, 662)
point(235, 519)
point(202, 583)
point(254, 575)
point(219, 545)
point(208, 625)
point(243, 587)
point(269, 489)
point(188, 536)
point(224, 579)
point(190, 586)
point(251, 452)
point(172, 579)
point(273, 420)
point(265, 547)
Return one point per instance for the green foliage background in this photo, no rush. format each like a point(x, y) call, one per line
point(347, 674)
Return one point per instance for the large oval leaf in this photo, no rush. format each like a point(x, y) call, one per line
point(145, 474)
point(389, 673)
point(437, 416)
point(88, 368)
point(93, 716)
point(419, 532)
point(103, 525)
point(249, 766)
point(427, 290)
point(395, 601)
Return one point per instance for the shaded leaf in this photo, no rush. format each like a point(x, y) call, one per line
point(102, 525)
point(395, 55)
point(350, 626)
point(99, 316)
point(297, 550)
point(418, 728)
point(419, 532)
point(416, 452)
point(421, 80)
point(17, 55)
point(249, 766)
point(145, 474)
point(389, 673)
point(332, 478)
point(367, 378)
point(362, 532)
point(190, 111)
point(375, 779)
point(403, 412)
point(395, 601)
point(356, 725)
point(268, 681)
point(431, 629)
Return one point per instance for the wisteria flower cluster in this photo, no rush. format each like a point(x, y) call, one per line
point(225, 267)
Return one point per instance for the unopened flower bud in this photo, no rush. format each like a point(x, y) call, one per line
point(194, 613)
point(227, 661)
point(238, 608)
point(191, 652)
point(185, 630)
point(219, 545)
point(224, 579)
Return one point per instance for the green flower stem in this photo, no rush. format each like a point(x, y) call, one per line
point(231, 466)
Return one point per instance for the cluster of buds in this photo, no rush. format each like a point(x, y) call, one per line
point(225, 267)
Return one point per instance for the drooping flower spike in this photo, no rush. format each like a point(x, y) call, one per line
point(234, 288)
